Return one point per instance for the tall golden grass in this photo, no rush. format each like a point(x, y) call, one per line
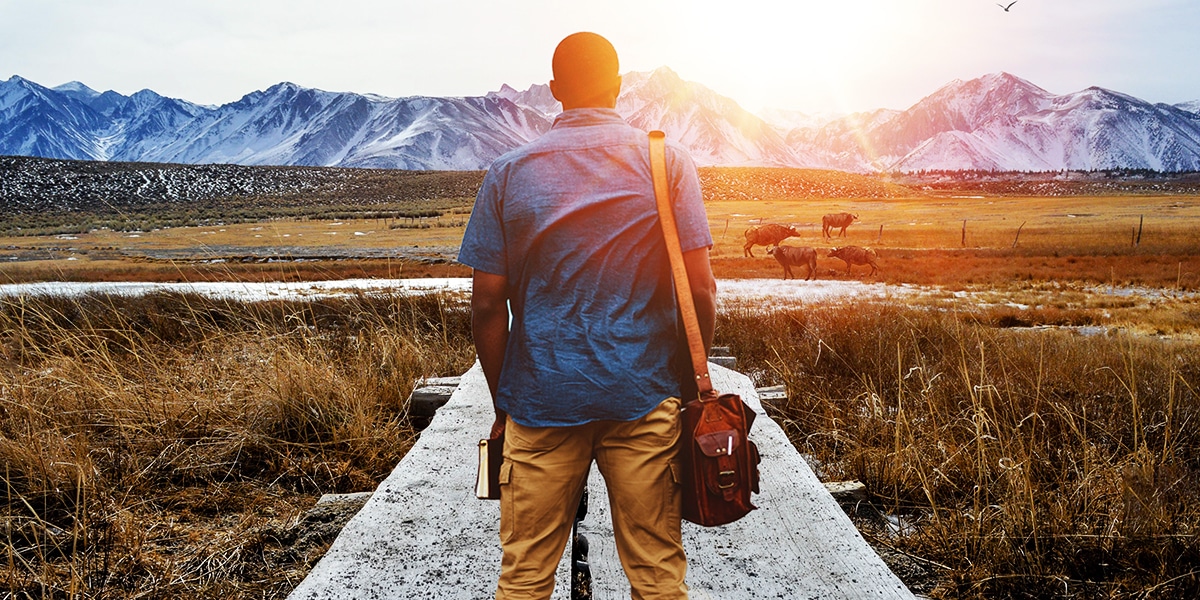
point(176, 271)
point(1022, 463)
point(162, 446)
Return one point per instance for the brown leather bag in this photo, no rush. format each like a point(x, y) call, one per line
point(720, 463)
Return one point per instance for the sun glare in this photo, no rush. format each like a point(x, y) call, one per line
point(803, 48)
point(819, 54)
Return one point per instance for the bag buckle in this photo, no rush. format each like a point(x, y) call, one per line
point(730, 484)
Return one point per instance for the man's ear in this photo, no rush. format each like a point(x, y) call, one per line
point(554, 90)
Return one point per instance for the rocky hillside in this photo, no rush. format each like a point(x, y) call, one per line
point(758, 183)
point(35, 185)
point(1070, 183)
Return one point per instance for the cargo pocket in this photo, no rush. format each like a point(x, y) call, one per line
point(674, 501)
point(506, 502)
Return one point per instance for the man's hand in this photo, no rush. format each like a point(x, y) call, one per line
point(498, 424)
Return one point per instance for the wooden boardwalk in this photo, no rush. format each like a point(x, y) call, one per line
point(424, 535)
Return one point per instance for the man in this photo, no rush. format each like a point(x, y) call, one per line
point(565, 233)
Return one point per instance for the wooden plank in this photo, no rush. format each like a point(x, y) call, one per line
point(798, 544)
point(424, 535)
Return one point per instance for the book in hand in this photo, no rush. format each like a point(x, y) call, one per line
point(487, 479)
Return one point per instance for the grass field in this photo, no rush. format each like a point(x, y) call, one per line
point(920, 240)
point(166, 446)
point(1025, 426)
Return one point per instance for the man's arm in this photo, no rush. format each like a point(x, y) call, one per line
point(489, 327)
point(704, 292)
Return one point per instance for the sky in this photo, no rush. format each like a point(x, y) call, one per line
point(827, 56)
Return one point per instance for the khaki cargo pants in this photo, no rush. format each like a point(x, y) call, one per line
point(542, 479)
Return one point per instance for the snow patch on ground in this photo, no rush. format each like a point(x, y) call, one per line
point(764, 293)
point(775, 291)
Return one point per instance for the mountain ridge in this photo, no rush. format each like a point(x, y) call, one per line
point(996, 122)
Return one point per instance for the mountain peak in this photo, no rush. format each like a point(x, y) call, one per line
point(284, 86)
point(77, 88)
point(996, 121)
point(665, 73)
point(999, 81)
point(1192, 106)
point(17, 80)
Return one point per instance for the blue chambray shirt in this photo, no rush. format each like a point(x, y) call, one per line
point(570, 220)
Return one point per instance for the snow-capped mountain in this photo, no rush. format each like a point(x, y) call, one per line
point(38, 121)
point(995, 122)
point(713, 127)
point(283, 125)
point(1192, 107)
point(784, 120)
point(1001, 122)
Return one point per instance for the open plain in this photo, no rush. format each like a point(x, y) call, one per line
point(1022, 410)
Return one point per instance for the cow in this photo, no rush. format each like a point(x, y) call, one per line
point(834, 221)
point(789, 256)
point(766, 235)
point(853, 255)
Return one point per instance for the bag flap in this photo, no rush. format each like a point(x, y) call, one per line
point(718, 443)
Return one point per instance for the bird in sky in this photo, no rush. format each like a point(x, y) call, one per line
point(1007, 7)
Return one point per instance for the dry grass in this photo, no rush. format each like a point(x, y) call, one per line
point(919, 237)
point(164, 446)
point(1083, 225)
point(1023, 463)
point(165, 271)
point(920, 240)
point(957, 269)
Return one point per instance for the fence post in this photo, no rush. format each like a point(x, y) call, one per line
point(1018, 236)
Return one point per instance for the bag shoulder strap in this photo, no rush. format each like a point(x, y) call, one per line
point(683, 290)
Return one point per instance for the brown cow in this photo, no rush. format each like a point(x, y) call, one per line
point(767, 235)
point(834, 221)
point(853, 255)
point(789, 256)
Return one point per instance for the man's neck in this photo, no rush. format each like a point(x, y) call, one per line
point(607, 105)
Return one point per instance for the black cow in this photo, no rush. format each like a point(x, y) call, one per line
point(834, 221)
point(854, 255)
point(767, 235)
point(789, 256)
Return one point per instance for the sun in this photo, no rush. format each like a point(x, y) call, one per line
point(764, 54)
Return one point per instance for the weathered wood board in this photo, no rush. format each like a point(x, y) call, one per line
point(424, 535)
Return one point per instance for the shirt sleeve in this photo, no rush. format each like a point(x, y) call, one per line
point(483, 246)
point(690, 215)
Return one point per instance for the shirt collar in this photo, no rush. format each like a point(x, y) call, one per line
point(582, 117)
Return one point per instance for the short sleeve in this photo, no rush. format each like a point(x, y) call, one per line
point(483, 246)
point(690, 215)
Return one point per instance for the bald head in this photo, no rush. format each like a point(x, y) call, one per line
point(585, 72)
